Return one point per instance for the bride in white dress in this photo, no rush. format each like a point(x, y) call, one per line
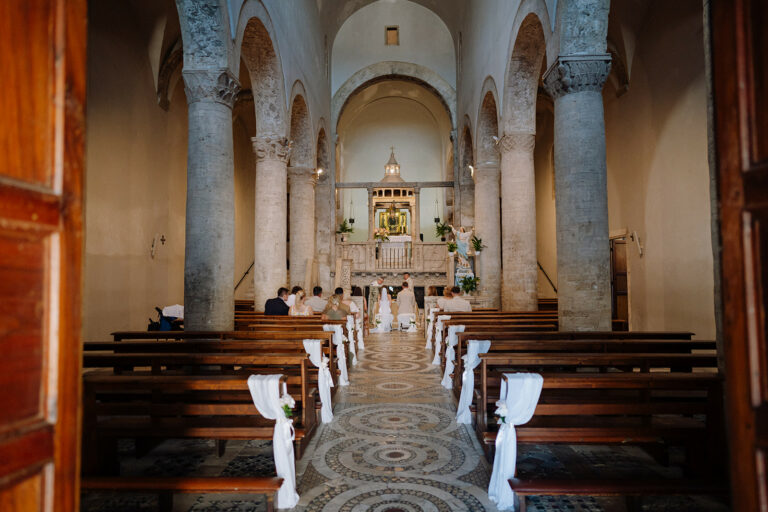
point(385, 311)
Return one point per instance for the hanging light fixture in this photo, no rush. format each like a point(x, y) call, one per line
point(351, 212)
point(437, 213)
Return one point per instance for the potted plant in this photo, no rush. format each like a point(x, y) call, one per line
point(477, 244)
point(344, 230)
point(441, 230)
point(469, 284)
point(452, 247)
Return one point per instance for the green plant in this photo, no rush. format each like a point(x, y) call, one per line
point(344, 227)
point(469, 284)
point(477, 244)
point(452, 246)
point(442, 229)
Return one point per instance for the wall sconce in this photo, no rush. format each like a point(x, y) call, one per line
point(319, 172)
point(472, 171)
point(158, 238)
point(636, 238)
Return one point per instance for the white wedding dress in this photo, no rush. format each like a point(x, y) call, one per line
point(385, 312)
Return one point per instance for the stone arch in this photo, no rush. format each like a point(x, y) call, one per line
point(487, 126)
point(301, 133)
point(388, 70)
point(260, 56)
point(524, 69)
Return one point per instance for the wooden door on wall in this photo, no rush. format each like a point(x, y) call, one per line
point(619, 284)
point(42, 93)
point(740, 81)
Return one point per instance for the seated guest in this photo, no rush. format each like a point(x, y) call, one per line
point(292, 297)
point(457, 304)
point(300, 308)
point(431, 291)
point(316, 302)
point(338, 293)
point(277, 306)
point(446, 297)
point(346, 301)
point(406, 300)
point(334, 310)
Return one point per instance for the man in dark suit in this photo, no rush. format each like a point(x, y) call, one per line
point(277, 306)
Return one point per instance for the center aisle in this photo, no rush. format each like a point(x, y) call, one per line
point(393, 444)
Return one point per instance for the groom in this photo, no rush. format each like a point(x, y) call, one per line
point(373, 299)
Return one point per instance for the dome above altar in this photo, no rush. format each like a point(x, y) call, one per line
point(392, 170)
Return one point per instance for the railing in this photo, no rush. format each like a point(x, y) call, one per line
point(244, 274)
point(547, 276)
point(400, 257)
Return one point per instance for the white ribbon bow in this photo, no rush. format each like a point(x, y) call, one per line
point(439, 336)
point(324, 378)
point(351, 330)
point(471, 361)
point(518, 398)
point(450, 354)
point(430, 327)
point(265, 392)
point(341, 353)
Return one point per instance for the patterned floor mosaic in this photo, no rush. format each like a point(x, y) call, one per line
point(393, 447)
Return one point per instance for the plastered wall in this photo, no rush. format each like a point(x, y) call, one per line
point(135, 183)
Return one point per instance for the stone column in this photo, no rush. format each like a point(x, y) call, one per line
point(583, 252)
point(416, 220)
point(518, 223)
point(209, 255)
point(487, 227)
point(325, 229)
point(371, 214)
point(301, 181)
point(269, 270)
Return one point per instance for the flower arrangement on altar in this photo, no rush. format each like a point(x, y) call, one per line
point(381, 234)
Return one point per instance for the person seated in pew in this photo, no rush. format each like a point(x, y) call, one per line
point(334, 310)
point(358, 292)
point(446, 297)
point(278, 305)
point(348, 302)
point(317, 302)
point(292, 297)
point(456, 304)
point(300, 308)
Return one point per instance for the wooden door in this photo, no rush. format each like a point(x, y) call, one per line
point(619, 284)
point(740, 80)
point(42, 93)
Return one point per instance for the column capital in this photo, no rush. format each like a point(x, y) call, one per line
point(299, 174)
point(271, 148)
point(577, 73)
point(517, 141)
point(213, 85)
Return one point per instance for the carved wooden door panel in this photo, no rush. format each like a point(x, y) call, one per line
point(42, 93)
point(740, 70)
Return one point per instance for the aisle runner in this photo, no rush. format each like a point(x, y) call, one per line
point(394, 443)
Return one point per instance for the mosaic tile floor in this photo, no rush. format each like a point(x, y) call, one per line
point(393, 447)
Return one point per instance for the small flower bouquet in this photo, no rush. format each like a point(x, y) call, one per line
point(501, 412)
point(287, 403)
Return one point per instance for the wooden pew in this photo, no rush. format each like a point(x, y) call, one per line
point(535, 317)
point(166, 487)
point(175, 371)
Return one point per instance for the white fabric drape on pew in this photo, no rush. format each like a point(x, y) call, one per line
point(430, 326)
point(518, 398)
point(406, 319)
point(359, 327)
point(439, 336)
point(351, 330)
point(474, 348)
point(324, 379)
point(450, 354)
point(341, 353)
point(265, 392)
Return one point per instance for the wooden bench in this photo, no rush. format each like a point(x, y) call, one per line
point(218, 402)
point(166, 487)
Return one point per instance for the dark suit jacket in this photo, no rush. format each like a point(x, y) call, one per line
point(276, 306)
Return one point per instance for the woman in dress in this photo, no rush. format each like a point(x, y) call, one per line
point(385, 311)
point(299, 308)
point(334, 310)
